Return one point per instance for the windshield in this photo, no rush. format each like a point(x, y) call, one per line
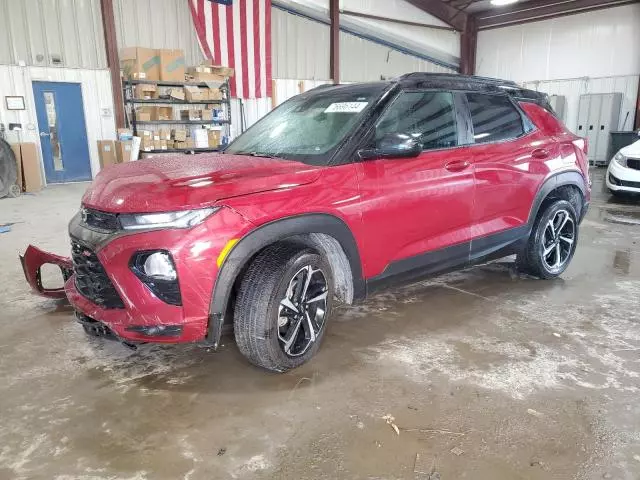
point(310, 127)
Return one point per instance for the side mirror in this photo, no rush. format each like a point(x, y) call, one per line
point(393, 145)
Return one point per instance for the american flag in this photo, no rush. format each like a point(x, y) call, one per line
point(237, 34)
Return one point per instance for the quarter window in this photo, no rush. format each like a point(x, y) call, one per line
point(428, 116)
point(494, 118)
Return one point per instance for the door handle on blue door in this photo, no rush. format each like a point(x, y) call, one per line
point(540, 153)
point(457, 165)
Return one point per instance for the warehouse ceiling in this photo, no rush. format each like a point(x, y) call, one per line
point(488, 15)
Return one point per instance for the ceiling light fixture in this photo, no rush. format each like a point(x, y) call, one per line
point(499, 3)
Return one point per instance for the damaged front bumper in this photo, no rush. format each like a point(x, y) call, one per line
point(32, 262)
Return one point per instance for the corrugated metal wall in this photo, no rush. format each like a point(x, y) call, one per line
point(595, 44)
point(301, 51)
point(96, 95)
point(572, 89)
point(157, 24)
point(300, 47)
point(65, 33)
point(362, 60)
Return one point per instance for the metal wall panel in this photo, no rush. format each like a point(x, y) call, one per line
point(571, 89)
point(362, 60)
point(300, 47)
point(595, 44)
point(157, 24)
point(96, 96)
point(65, 33)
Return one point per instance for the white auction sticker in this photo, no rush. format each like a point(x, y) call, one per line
point(346, 107)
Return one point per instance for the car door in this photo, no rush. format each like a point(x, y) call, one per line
point(506, 155)
point(416, 212)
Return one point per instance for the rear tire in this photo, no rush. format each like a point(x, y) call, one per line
point(283, 306)
point(552, 242)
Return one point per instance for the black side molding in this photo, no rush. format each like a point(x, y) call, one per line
point(558, 180)
point(265, 235)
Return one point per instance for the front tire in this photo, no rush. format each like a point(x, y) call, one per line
point(283, 306)
point(552, 242)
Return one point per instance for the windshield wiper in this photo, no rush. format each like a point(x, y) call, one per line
point(262, 155)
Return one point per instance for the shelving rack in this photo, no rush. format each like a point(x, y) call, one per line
point(131, 102)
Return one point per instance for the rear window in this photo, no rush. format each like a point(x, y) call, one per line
point(494, 118)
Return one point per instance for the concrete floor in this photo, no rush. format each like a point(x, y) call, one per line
point(488, 376)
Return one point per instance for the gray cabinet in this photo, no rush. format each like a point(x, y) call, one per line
point(598, 114)
point(558, 103)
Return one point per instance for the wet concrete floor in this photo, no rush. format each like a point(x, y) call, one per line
point(486, 374)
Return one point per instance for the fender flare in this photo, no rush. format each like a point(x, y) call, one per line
point(557, 180)
point(270, 233)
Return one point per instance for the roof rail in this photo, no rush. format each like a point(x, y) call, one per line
point(456, 77)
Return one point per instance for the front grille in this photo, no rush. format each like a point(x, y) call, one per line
point(91, 279)
point(100, 221)
point(633, 163)
point(623, 183)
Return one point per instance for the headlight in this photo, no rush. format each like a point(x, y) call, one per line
point(621, 159)
point(182, 219)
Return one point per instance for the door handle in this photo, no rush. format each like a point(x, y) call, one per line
point(540, 153)
point(44, 134)
point(457, 165)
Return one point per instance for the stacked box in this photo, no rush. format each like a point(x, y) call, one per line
point(162, 113)
point(140, 63)
point(145, 92)
point(171, 65)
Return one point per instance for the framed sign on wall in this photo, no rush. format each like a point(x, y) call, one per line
point(14, 103)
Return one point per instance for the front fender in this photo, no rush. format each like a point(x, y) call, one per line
point(33, 260)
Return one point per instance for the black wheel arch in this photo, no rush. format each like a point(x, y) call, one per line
point(553, 185)
point(325, 232)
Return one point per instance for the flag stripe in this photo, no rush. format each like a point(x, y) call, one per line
point(231, 46)
point(224, 53)
point(267, 49)
point(215, 27)
point(257, 35)
point(237, 35)
point(243, 47)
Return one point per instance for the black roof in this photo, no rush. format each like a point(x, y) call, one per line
point(451, 81)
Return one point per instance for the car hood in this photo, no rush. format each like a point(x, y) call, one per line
point(180, 182)
point(632, 150)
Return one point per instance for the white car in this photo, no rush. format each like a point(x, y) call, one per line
point(623, 174)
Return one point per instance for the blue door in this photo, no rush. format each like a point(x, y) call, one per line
point(63, 134)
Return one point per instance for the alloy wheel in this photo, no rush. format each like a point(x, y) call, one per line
point(302, 311)
point(557, 240)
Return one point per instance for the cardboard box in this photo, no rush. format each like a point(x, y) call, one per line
point(144, 114)
point(125, 134)
point(214, 138)
point(179, 134)
point(177, 93)
point(123, 151)
point(163, 144)
point(107, 153)
point(214, 94)
point(170, 144)
point(189, 143)
point(206, 114)
point(180, 145)
point(171, 65)
point(222, 71)
point(162, 113)
point(165, 133)
point(145, 92)
point(195, 94)
point(156, 144)
point(140, 63)
point(28, 165)
point(205, 74)
point(192, 114)
point(146, 143)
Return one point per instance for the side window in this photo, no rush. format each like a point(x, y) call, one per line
point(494, 118)
point(428, 116)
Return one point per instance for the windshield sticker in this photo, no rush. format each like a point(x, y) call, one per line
point(346, 107)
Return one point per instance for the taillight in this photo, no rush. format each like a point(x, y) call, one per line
point(582, 144)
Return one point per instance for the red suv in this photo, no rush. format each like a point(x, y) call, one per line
point(336, 193)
